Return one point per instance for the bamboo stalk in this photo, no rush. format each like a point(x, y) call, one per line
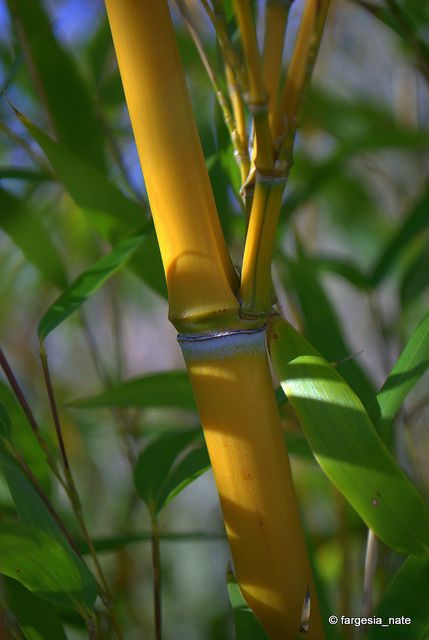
point(257, 99)
point(233, 387)
point(225, 354)
point(186, 221)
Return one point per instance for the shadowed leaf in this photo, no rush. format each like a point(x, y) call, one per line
point(86, 284)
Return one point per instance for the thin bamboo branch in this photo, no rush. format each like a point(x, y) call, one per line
point(256, 291)
point(238, 142)
point(371, 555)
point(284, 119)
point(276, 18)
point(29, 415)
point(257, 98)
point(73, 494)
point(230, 56)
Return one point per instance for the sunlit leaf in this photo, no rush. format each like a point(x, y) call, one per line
point(40, 563)
point(408, 369)
point(86, 284)
point(346, 444)
point(33, 512)
point(323, 327)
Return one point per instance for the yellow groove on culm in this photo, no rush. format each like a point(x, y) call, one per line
point(228, 365)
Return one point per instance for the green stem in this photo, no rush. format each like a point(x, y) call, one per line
point(72, 492)
point(29, 415)
point(156, 568)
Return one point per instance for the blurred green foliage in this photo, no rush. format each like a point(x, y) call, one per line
point(79, 258)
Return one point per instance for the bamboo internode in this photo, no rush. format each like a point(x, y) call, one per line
point(233, 388)
point(200, 276)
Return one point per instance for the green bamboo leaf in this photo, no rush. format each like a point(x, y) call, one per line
point(86, 284)
point(160, 472)
point(33, 512)
point(407, 595)
point(37, 619)
point(344, 268)
point(346, 444)
point(25, 229)
point(246, 624)
point(323, 328)
point(110, 211)
point(416, 222)
point(70, 106)
point(165, 389)
point(415, 280)
point(22, 173)
point(192, 466)
point(111, 543)
point(5, 426)
point(42, 565)
point(408, 369)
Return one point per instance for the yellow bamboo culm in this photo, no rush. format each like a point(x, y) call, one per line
point(184, 212)
point(233, 388)
point(227, 362)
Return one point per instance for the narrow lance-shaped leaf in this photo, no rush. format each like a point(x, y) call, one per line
point(167, 465)
point(415, 280)
point(407, 596)
point(414, 223)
point(40, 563)
point(322, 326)
point(346, 444)
point(408, 369)
point(33, 512)
point(246, 624)
point(26, 230)
point(68, 102)
point(110, 211)
point(86, 284)
point(37, 619)
point(164, 389)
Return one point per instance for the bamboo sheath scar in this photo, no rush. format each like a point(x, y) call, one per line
point(225, 354)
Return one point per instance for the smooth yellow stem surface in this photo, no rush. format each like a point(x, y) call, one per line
point(233, 388)
point(284, 120)
point(275, 29)
point(256, 284)
point(200, 276)
point(257, 98)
